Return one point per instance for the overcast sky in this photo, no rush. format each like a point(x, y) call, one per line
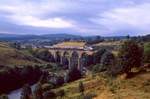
point(84, 17)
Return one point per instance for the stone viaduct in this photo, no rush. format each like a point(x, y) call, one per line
point(71, 57)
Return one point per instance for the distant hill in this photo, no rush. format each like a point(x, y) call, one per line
point(54, 37)
point(11, 56)
point(10, 37)
point(145, 38)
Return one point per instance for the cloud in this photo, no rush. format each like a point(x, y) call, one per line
point(95, 17)
point(31, 14)
point(36, 22)
point(132, 19)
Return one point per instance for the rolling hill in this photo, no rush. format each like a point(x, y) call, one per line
point(11, 56)
point(12, 37)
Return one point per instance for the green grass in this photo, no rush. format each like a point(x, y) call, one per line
point(104, 87)
point(75, 44)
point(72, 91)
point(11, 56)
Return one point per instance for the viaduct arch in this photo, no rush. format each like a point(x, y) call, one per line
point(71, 58)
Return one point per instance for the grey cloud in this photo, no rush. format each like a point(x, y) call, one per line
point(85, 16)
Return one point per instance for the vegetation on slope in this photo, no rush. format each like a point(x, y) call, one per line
point(105, 81)
point(16, 77)
point(100, 86)
point(147, 52)
point(12, 56)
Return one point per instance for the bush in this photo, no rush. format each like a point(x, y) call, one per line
point(43, 78)
point(59, 80)
point(38, 91)
point(130, 55)
point(97, 68)
point(97, 56)
point(18, 77)
point(26, 92)
point(74, 74)
point(44, 55)
point(66, 78)
point(107, 61)
point(49, 95)
point(147, 52)
point(4, 96)
point(47, 86)
point(89, 96)
point(81, 87)
point(61, 93)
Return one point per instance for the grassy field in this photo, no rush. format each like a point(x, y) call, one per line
point(12, 56)
point(75, 44)
point(114, 43)
point(103, 87)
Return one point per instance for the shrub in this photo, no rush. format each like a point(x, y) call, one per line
point(61, 93)
point(147, 52)
point(97, 55)
point(81, 87)
point(18, 77)
point(97, 68)
point(130, 55)
point(59, 80)
point(47, 86)
point(74, 74)
point(4, 96)
point(49, 95)
point(107, 61)
point(43, 78)
point(89, 95)
point(44, 55)
point(66, 78)
point(38, 91)
point(26, 92)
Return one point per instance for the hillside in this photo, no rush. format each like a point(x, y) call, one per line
point(100, 86)
point(12, 56)
point(14, 37)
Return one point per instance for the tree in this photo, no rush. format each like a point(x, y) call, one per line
point(49, 95)
point(107, 61)
point(44, 55)
point(128, 37)
point(66, 77)
point(59, 80)
point(26, 73)
point(97, 56)
point(147, 52)
point(130, 55)
point(26, 92)
point(43, 78)
point(96, 68)
point(81, 88)
point(61, 93)
point(74, 74)
point(38, 91)
point(48, 86)
point(16, 45)
point(4, 96)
